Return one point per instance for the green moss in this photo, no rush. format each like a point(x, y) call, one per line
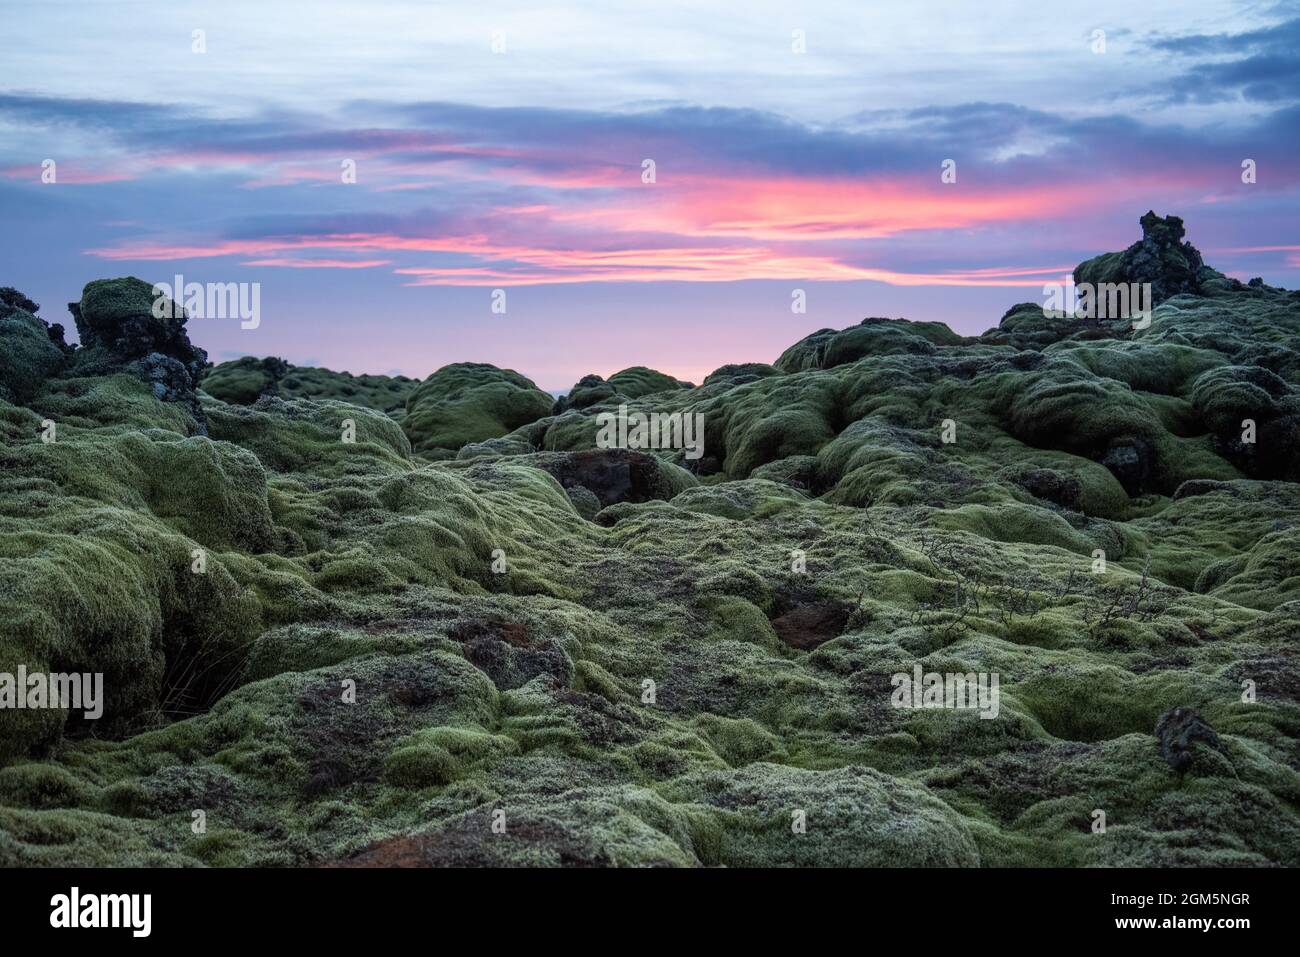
point(301, 436)
point(639, 381)
point(95, 402)
point(470, 402)
point(850, 817)
point(384, 650)
point(107, 302)
point(739, 741)
point(243, 381)
point(221, 848)
point(828, 348)
point(420, 766)
point(43, 786)
point(27, 356)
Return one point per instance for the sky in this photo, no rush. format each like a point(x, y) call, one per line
point(797, 151)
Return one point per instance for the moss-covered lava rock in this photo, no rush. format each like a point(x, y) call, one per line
point(474, 637)
point(470, 402)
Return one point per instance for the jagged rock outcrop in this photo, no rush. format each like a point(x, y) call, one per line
point(1160, 257)
point(119, 331)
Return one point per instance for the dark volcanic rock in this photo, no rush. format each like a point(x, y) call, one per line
point(1179, 730)
point(1171, 266)
point(169, 380)
point(504, 652)
point(1052, 486)
point(118, 328)
point(1130, 461)
point(612, 475)
point(57, 333)
point(118, 315)
point(807, 626)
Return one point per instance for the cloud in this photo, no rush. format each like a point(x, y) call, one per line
point(462, 194)
point(1259, 65)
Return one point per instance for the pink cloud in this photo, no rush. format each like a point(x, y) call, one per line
point(599, 222)
point(290, 263)
point(66, 174)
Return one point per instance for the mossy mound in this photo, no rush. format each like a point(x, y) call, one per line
point(29, 353)
point(633, 383)
point(734, 374)
point(828, 348)
point(470, 402)
point(244, 381)
point(767, 815)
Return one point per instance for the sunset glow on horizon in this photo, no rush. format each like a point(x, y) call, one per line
point(764, 179)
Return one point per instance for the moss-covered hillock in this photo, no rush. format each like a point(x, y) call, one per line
point(244, 381)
